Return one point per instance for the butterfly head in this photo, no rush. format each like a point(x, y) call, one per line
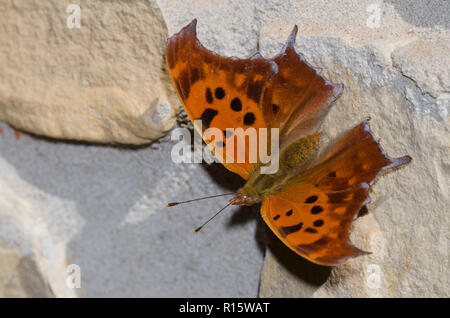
point(242, 198)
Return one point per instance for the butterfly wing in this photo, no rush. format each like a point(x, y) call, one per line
point(297, 98)
point(312, 215)
point(220, 91)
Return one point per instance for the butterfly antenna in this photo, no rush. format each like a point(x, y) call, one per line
point(198, 199)
point(200, 227)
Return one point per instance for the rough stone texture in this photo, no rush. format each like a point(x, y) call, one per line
point(421, 62)
point(103, 207)
point(103, 82)
point(19, 277)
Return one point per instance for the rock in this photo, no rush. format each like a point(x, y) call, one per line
point(103, 209)
point(19, 277)
point(425, 62)
point(102, 82)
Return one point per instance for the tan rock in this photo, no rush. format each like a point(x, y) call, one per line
point(20, 276)
point(427, 63)
point(102, 82)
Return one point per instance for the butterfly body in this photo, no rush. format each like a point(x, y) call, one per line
point(311, 200)
point(294, 161)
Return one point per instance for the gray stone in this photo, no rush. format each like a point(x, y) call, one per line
point(103, 208)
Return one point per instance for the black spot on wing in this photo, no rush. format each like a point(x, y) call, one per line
point(316, 209)
point(219, 93)
point(207, 116)
point(236, 104)
point(311, 199)
point(318, 223)
point(286, 230)
point(209, 96)
point(249, 119)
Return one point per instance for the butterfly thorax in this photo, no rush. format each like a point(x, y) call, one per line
point(293, 162)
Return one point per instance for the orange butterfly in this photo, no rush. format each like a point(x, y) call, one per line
point(311, 201)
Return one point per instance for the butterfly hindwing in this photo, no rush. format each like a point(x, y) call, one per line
point(313, 213)
point(222, 92)
point(355, 158)
point(313, 223)
point(297, 98)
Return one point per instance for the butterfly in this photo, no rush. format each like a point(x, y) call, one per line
point(312, 199)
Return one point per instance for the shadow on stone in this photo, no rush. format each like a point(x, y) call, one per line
point(241, 214)
point(32, 281)
point(223, 177)
point(363, 211)
point(306, 271)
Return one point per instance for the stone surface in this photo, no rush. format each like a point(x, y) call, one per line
point(103, 82)
point(20, 277)
point(102, 207)
point(425, 63)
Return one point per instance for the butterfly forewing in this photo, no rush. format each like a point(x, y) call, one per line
point(220, 92)
point(297, 98)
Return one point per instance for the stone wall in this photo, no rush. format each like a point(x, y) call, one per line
point(95, 202)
